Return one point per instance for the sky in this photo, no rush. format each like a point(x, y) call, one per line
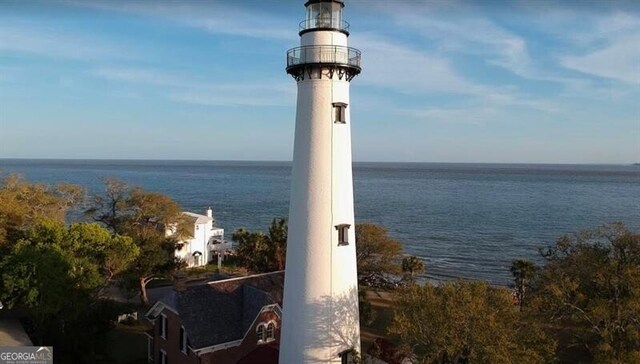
point(442, 81)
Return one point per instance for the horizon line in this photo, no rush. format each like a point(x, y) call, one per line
point(290, 161)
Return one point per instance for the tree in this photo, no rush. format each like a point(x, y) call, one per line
point(57, 274)
point(365, 309)
point(278, 242)
point(465, 322)
point(24, 205)
point(378, 254)
point(262, 253)
point(145, 217)
point(590, 289)
point(523, 271)
point(412, 265)
point(88, 255)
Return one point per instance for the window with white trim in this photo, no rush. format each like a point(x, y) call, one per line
point(343, 234)
point(162, 357)
point(339, 112)
point(271, 331)
point(183, 340)
point(260, 332)
point(163, 326)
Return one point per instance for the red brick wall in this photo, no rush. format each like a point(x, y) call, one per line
point(232, 355)
point(172, 344)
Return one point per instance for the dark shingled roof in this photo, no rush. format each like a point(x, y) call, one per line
point(222, 311)
point(263, 354)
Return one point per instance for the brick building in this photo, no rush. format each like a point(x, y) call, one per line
point(231, 321)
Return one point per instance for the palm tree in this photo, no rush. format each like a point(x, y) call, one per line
point(522, 271)
point(412, 265)
point(278, 241)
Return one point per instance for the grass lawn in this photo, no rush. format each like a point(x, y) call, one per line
point(229, 267)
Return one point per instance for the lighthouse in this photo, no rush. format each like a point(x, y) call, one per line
point(320, 309)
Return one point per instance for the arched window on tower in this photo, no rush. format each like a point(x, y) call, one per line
point(271, 331)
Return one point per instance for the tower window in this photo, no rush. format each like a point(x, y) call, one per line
point(343, 234)
point(340, 112)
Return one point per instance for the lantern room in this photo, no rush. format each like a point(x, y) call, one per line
point(324, 15)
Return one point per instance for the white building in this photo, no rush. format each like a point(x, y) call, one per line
point(320, 309)
point(207, 241)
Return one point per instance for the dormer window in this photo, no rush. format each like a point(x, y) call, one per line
point(339, 113)
point(343, 234)
point(271, 331)
point(260, 332)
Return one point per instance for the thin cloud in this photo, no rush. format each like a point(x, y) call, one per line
point(182, 88)
point(613, 49)
point(619, 61)
point(142, 76)
point(476, 116)
point(244, 97)
point(458, 27)
point(412, 70)
point(52, 43)
point(213, 17)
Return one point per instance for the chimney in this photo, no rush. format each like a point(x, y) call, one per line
point(209, 212)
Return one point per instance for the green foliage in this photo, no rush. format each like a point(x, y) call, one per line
point(35, 277)
point(466, 322)
point(411, 266)
point(56, 275)
point(262, 253)
point(24, 205)
point(378, 255)
point(523, 271)
point(367, 314)
point(590, 289)
point(145, 217)
point(52, 259)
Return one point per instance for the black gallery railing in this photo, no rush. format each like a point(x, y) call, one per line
point(324, 23)
point(323, 54)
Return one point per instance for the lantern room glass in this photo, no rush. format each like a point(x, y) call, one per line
point(324, 15)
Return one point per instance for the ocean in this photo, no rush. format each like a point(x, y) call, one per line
point(464, 220)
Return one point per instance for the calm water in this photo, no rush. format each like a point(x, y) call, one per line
point(467, 220)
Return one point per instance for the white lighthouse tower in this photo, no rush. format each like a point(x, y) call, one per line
point(320, 309)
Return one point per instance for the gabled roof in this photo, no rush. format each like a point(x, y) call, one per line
point(222, 311)
point(197, 218)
